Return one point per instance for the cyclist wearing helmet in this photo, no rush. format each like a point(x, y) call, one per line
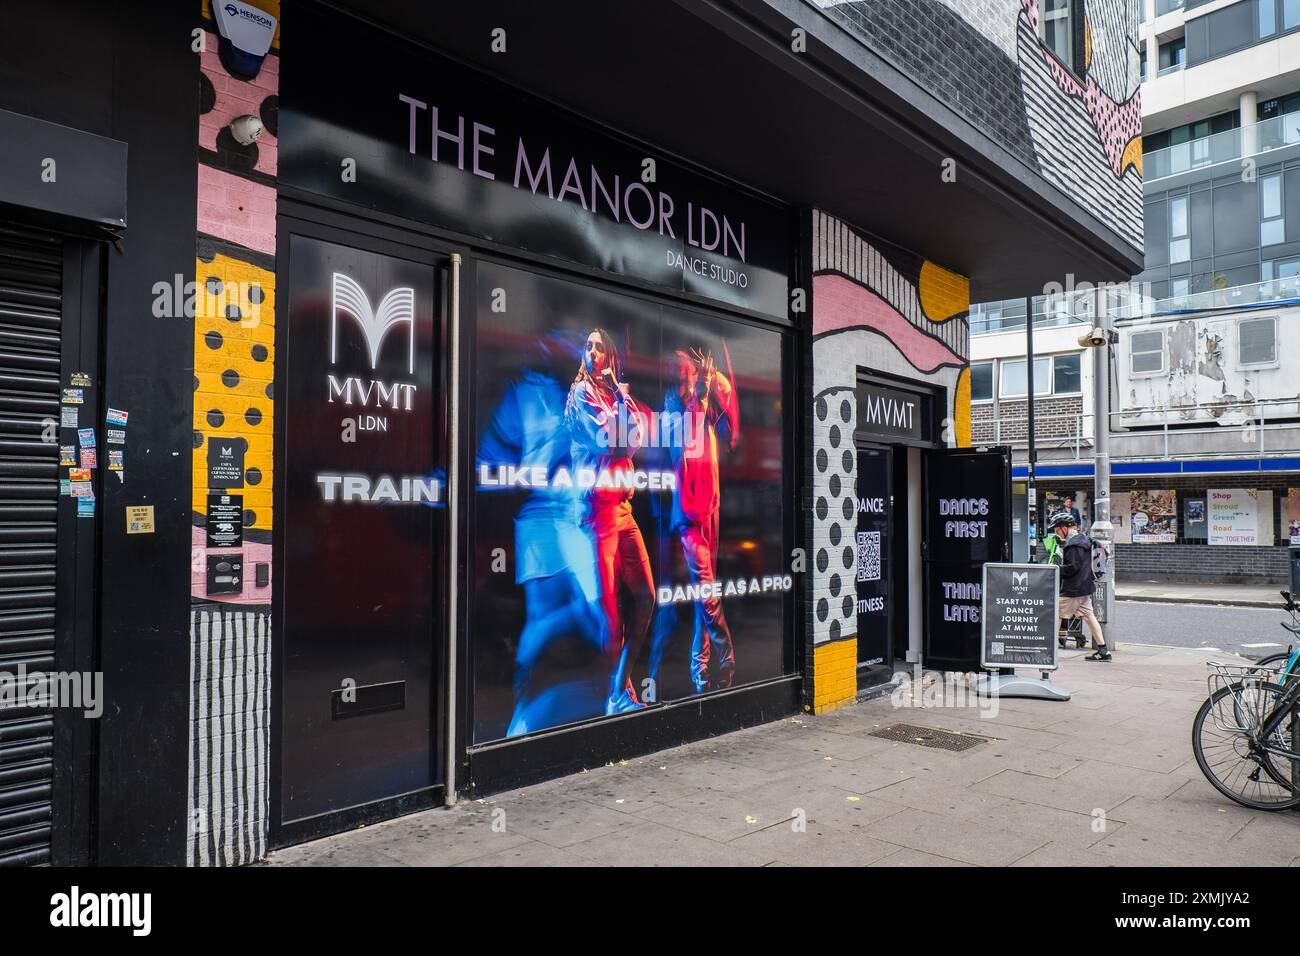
point(1077, 578)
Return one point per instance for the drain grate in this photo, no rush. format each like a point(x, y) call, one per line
point(928, 737)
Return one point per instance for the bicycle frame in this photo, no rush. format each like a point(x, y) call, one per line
point(1279, 713)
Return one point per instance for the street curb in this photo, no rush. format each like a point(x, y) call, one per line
point(1226, 602)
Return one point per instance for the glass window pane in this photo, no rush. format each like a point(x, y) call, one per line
point(1270, 233)
point(981, 381)
point(1256, 342)
point(1013, 378)
point(1178, 216)
point(1267, 18)
point(1146, 352)
point(1066, 375)
point(1043, 376)
point(1290, 14)
point(1054, 27)
point(1179, 250)
point(1270, 191)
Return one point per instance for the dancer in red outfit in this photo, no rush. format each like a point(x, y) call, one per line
point(705, 399)
point(606, 426)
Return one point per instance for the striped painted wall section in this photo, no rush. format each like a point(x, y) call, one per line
point(230, 722)
point(234, 353)
point(879, 309)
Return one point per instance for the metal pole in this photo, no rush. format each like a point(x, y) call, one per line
point(1031, 494)
point(453, 527)
point(1102, 530)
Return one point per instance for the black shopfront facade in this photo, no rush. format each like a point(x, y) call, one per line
point(468, 549)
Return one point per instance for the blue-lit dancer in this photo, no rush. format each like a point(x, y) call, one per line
point(555, 560)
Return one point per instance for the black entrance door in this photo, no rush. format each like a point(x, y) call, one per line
point(874, 564)
point(362, 508)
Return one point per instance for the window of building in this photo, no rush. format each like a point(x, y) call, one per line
point(1173, 54)
point(1180, 246)
point(1178, 288)
point(981, 382)
point(1065, 374)
point(1290, 14)
point(1056, 28)
point(1267, 18)
point(1257, 341)
point(1146, 352)
point(1272, 226)
point(1279, 271)
point(1014, 374)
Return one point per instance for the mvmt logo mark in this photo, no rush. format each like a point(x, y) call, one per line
point(397, 307)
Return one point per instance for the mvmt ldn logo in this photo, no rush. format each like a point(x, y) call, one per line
point(396, 308)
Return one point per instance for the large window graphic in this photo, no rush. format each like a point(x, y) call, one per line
point(629, 532)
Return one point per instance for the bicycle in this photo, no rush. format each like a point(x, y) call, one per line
point(1246, 735)
point(1285, 662)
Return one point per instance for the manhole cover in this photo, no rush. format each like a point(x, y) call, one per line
point(928, 737)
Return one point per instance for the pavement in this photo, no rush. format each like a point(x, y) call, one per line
point(1107, 778)
point(1236, 595)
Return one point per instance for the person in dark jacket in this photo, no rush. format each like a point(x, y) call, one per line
point(1078, 579)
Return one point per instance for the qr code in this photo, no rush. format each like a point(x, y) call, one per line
point(868, 555)
point(998, 647)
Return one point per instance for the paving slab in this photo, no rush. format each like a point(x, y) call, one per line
point(821, 790)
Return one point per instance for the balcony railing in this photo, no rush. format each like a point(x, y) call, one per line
point(1225, 147)
point(1236, 297)
point(983, 322)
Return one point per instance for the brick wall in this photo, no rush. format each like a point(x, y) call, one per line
point(1201, 562)
point(835, 665)
point(1055, 419)
point(984, 60)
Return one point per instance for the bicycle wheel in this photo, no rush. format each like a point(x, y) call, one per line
point(1235, 767)
point(1273, 662)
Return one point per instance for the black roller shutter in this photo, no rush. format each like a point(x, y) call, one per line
point(31, 282)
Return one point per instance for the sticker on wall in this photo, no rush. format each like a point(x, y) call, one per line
point(82, 489)
point(86, 507)
point(68, 455)
point(115, 462)
point(80, 378)
point(115, 436)
point(86, 437)
point(79, 474)
point(116, 416)
point(74, 396)
point(226, 462)
point(89, 458)
point(139, 519)
point(225, 521)
point(68, 417)
point(65, 486)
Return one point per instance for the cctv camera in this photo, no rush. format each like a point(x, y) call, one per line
point(1094, 338)
point(247, 130)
